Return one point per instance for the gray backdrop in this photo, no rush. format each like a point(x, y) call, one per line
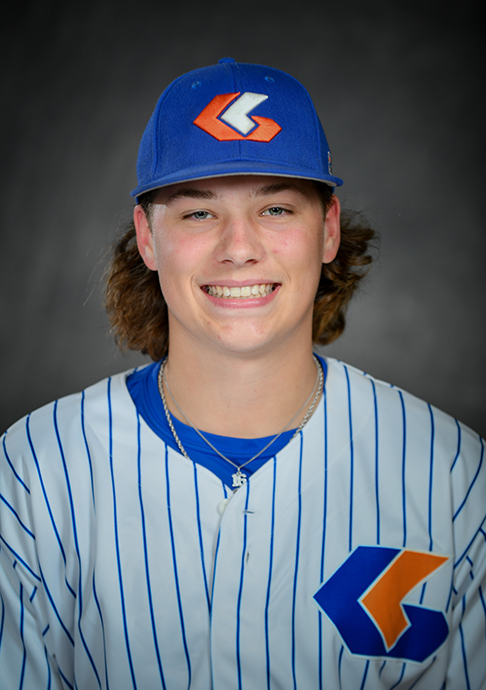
point(399, 88)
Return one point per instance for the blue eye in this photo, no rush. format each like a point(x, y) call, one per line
point(200, 215)
point(274, 211)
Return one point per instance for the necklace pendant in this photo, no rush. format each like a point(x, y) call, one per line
point(238, 479)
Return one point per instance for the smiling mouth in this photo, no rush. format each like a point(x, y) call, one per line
point(246, 292)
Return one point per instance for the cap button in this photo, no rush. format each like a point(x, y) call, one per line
point(228, 59)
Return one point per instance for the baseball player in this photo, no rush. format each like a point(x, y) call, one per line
point(240, 514)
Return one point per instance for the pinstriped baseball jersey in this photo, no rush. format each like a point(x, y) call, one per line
point(354, 559)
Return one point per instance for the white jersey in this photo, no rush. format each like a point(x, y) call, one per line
point(355, 559)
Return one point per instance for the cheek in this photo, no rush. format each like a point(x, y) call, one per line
point(178, 259)
point(301, 252)
point(171, 253)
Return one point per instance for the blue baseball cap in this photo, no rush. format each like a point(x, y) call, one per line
point(233, 119)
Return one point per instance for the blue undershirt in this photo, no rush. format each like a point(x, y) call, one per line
point(143, 388)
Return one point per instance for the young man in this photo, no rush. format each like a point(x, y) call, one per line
point(241, 513)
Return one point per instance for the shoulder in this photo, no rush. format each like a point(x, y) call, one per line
point(397, 424)
point(366, 395)
point(428, 469)
point(69, 420)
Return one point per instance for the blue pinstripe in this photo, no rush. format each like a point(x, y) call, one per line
point(2, 621)
point(404, 458)
point(270, 567)
point(463, 647)
point(431, 474)
point(76, 544)
point(64, 678)
point(351, 460)
point(49, 674)
point(21, 629)
point(297, 553)
point(240, 591)
point(117, 541)
point(449, 599)
point(199, 530)
point(377, 474)
point(54, 526)
point(469, 545)
point(341, 652)
point(364, 675)
point(473, 481)
point(459, 440)
point(174, 562)
point(324, 529)
point(483, 602)
point(216, 550)
point(95, 596)
point(484, 605)
point(20, 559)
point(431, 486)
point(83, 429)
point(145, 553)
point(54, 608)
point(215, 562)
point(404, 666)
point(24, 527)
point(17, 477)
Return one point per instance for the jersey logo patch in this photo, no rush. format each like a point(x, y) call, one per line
point(364, 601)
point(242, 127)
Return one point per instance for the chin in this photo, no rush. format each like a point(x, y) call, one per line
point(241, 343)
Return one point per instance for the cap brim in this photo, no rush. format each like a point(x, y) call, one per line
point(234, 168)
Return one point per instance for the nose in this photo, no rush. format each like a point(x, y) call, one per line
point(240, 242)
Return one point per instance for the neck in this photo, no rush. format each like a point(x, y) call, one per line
point(240, 396)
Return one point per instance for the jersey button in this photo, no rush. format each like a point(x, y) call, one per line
point(223, 504)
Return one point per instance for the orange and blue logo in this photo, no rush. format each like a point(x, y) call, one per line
point(233, 123)
point(364, 601)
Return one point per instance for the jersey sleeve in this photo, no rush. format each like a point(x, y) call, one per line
point(24, 658)
point(467, 668)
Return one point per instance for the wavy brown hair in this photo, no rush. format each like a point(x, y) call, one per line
point(138, 311)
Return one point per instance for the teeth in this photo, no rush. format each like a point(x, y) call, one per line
point(248, 291)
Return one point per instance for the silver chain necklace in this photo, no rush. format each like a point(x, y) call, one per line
point(239, 478)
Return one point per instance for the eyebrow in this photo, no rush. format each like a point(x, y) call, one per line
point(263, 190)
point(280, 187)
point(188, 193)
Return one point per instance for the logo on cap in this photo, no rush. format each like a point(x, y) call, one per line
point(212, 119)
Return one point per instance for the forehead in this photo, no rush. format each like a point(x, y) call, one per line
point(248, 186)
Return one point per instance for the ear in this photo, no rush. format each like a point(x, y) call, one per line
point(144, 237)
point(332, 231)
